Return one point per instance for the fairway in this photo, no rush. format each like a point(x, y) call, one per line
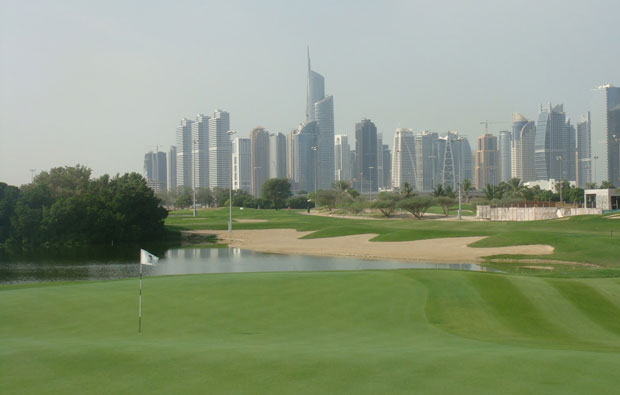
point(402, 331)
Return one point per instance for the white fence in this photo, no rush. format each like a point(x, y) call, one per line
point(530, 213)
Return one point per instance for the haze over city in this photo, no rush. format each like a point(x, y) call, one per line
point(100, 84)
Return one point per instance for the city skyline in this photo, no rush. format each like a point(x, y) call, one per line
point(137, 76)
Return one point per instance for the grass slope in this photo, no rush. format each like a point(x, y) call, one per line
point(587, 239)
point(413, 331)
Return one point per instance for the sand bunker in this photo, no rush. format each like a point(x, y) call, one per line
point(287, 241)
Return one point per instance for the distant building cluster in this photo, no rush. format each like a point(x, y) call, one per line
point(312, 156)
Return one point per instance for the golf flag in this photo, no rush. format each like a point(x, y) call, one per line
point(146, 258)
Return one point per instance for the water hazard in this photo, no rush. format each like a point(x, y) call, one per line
point(194, 261)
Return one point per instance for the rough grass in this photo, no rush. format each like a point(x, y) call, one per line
point(417, 331)
point(586, 239)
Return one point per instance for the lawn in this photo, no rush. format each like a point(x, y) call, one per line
point(585, 239)
point(404, 331)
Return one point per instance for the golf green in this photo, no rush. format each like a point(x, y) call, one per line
point(402, 331)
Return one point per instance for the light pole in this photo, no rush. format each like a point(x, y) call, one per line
point(459, 186)
point(230, 133)
point(194, 172)
point(560, 159)
point(316, 170)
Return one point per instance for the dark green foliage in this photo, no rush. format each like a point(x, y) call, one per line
point(386, 203)
point(276, 190)
point(297, 202)
point(416, 205)
point(328, 198)
point(445, 202)
point(64, 207)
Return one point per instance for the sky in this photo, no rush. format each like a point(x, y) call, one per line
point(100, 83)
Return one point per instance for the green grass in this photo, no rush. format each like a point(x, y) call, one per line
point(585, 239)
point(417, 331)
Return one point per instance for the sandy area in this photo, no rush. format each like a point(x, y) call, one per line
point(249, 221)
point(287, 241)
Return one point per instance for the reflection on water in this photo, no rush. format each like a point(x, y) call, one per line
point(194, 261)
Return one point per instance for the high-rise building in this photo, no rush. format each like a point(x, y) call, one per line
point(241, 162)
point(259, 170)
point(184, 154)
point(290, 154)
point(324, 116)
point(522, 148)
point(220, 159)
point(571, 155)
point(305, 156)
point(172, 168)
point(342, 157)
point(315, 91)
point(485, 171)
point(155, 171)
point(366, 150)
point(387, 166)
point(455, 159)
point(200, 140)
point(424, 161)
point(552, 144)
point(584, 151)
point(403, 159)
point(505, 162)
point(605, 126)
point(277, 155)
point(380, 183)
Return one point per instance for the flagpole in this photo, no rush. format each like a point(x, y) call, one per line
point(140, 302)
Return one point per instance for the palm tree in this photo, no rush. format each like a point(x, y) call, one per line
point(449, 192)
point(515, 186)
point(407, 190)
point(489, 192)
point(606, 185)
point(439, 191)
point(341, 186)
point(467, 187)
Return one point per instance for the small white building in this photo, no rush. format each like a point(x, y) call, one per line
point(546, 185)
point(605, 199)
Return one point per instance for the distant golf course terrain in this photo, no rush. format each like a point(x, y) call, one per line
point(371, 332)
point(582, 239)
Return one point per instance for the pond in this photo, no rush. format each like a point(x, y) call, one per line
point(191, 261)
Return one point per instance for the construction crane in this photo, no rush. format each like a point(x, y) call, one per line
point(486, 125)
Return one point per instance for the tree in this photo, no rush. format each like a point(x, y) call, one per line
point(606, 185)
point(515, 186)
point(416, 205)
point(276, 190)
point(341, 186)
point(327, 197)
point(9, 195)
point(445, 202)
point(591, 185)
point(489, 192)
point(467, 187)
point(438, 191)
point(407, 191)
point(449, 192)
point(386, 203)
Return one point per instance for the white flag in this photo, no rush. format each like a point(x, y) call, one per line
point(146, 258)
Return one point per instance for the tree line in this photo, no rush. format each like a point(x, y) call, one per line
point(65, 207)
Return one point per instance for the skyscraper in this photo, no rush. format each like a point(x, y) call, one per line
point(324, 116)
point(305, 156)
point(387, 166)
point(200, 139)
point(315, 90)
point(505, 162)
point(220, 159)
point(380, 184)
point(403, 159)
point(155, 171)
point(571, 155)
point(172, 168)
point(342, 157)
point(277, 155)
point(184, 154)
point(241, 162)
point(424, 160)
point(522, 148)
point(366, 150)
point(552, 144)
point(605, 126)
point(584, 151)
point(485, 171)
point(259, 170)
point(455, 159)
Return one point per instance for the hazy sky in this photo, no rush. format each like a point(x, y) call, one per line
point(101, 83)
